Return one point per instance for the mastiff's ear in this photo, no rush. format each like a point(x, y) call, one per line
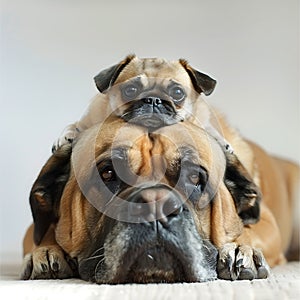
point(244, 191)
point(202, 83)
point(108, 76)
point(47, 190)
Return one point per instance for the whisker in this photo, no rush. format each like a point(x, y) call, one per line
point(93, 257)
point(96, 267)
point(99, 249)
point(125, 114)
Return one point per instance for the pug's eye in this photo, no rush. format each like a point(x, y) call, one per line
point(130, 91)
point(108, 175)
point(177, 93)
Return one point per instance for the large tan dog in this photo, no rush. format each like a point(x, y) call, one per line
point(142, 206)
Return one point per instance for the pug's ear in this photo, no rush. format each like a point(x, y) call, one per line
point(47, 190)
point(108, 76)
point(245, 193)
point(202, 83)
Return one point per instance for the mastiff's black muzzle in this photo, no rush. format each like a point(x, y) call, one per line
point(164, 246)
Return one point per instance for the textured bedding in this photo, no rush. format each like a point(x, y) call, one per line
point(284, 283)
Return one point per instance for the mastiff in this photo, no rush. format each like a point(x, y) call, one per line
point(129, 205)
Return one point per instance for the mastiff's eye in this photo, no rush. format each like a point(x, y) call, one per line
point(195, 179)
point(130, 91)
point(108, 175)
point(177, 93)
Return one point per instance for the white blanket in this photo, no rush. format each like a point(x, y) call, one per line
point(284, 283)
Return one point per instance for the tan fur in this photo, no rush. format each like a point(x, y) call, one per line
point(150, 70)
point(28, 244)
point(150, 154)
point(278, 180)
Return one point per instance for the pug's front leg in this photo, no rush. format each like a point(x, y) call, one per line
point(67, 137)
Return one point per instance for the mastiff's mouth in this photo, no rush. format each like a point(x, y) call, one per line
point(156, 265)
point(138, 253)
point(163, 246)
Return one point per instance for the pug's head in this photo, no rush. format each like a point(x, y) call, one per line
point(153, 92)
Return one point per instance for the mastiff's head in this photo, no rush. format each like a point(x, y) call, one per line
point(154, 92)
point(142, 207)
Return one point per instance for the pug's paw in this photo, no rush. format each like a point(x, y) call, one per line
point(48, 262)
point(67, 136)
point(241, 262)
point(228, 148)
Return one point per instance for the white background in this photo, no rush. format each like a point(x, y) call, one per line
point(51, 49)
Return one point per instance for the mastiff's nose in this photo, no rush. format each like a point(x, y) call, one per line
point(155, 204)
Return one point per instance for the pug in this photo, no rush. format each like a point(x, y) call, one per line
point(151, 92)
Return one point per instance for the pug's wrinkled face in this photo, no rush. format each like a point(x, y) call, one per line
point(144, 200)
point(153, 93)
point(152, 102)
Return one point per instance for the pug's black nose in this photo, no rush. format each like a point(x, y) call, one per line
point(155, 204)
point(152, 100)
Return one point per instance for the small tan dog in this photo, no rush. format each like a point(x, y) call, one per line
point(152, 92)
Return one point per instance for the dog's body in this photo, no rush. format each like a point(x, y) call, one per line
point(179, 245)
point(147, 193)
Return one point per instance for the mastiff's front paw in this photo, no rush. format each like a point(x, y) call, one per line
point(241, 262)
point(48, 262)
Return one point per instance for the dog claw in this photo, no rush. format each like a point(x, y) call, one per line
point(27, 267)
point(229, 148)
point(246, 264)
point(47, 263)
point(55, 267)
point(246, 274)
point(67, 137)
point(44, 268)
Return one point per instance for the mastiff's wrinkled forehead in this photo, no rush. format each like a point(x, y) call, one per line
point(137, 205)
point(122, 156)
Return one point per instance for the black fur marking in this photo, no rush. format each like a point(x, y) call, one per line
point(244, 191)
point(108, 76)
point(47, 190)
point(201, 82)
